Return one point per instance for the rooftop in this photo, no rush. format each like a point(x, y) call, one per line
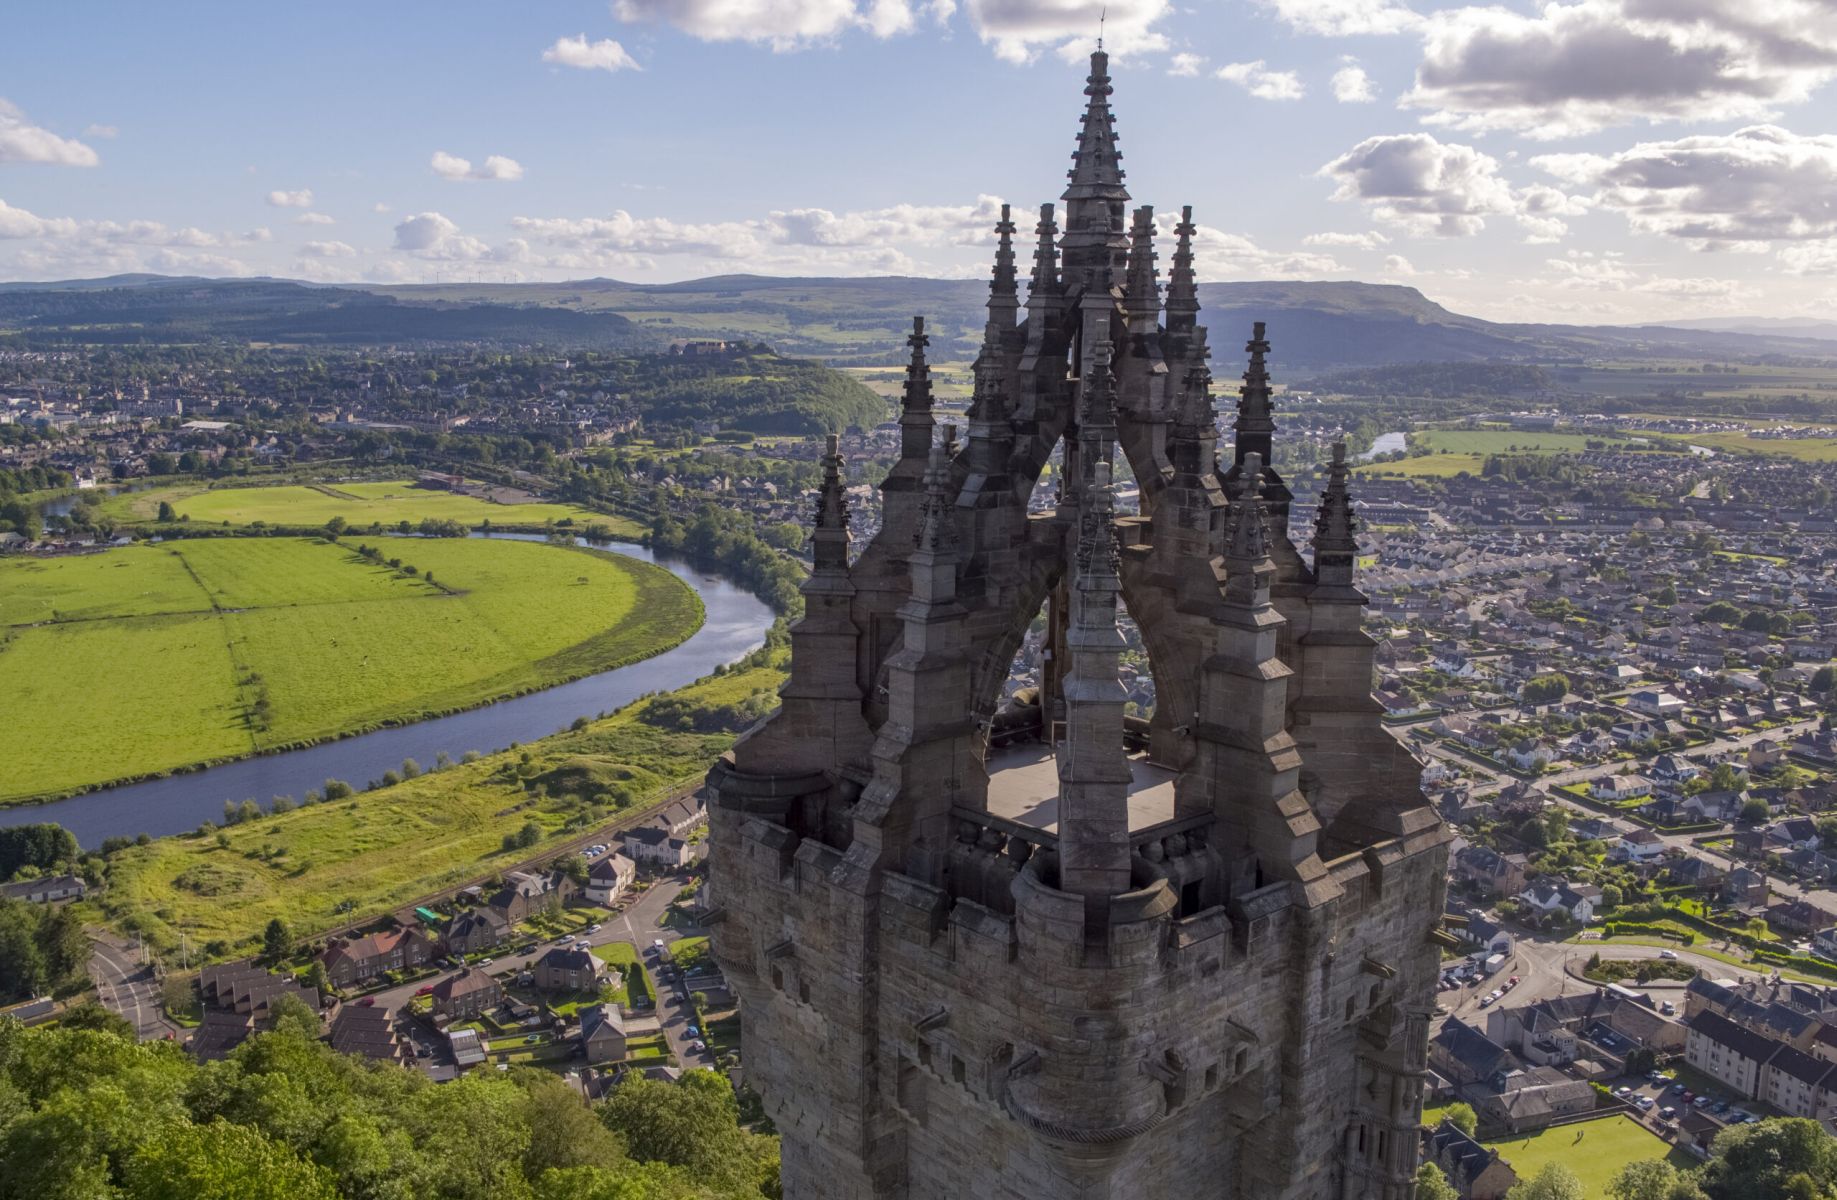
point(1024, 787)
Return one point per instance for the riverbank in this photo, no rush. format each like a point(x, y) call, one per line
point(215, 650)
point(372, 852)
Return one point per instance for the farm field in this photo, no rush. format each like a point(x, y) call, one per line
point(360, 504)
point(217, 648)
point(1594, 1150)
point(382, 848)
point(1800, 449)
point(1504, 441)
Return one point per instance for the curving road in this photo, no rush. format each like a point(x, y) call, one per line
point(129, 987)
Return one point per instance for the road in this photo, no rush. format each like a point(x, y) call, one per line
point(128, 987)
point(641, 924)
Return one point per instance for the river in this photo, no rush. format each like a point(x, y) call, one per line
point(1385, 443)
point(736, 625)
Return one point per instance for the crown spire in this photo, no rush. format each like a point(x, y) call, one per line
point(1004, 296)
point(1256, 425)
point(829, 540)
point(1097, 423)
point(915, 420)
point(1182, 285)
point(1335, 548)
point(1142, 294)
point(1095, 197)
point(937, 531)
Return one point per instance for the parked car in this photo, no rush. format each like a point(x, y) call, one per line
point(698, 1047)
point(428, 990)
point(1668, 954)
point(594, 928)
point(1623, 1091)
point(1645, 1103)
point(693, 1032)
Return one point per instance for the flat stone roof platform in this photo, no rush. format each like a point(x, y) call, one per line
point(1024, 787)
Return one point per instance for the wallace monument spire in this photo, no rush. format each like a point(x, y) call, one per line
point(1043, 950)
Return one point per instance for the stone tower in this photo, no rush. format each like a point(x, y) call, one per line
point(1042, 950)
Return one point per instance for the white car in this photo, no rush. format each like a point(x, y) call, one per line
point(1670, 954)
point(1645, 1103)
point(594, 928)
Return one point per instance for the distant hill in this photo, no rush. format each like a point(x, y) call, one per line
point(1795, 327)
point(1315, 326)
point(146, 309)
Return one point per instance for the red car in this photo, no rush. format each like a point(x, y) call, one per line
point(425, 991)
point(368, 1001)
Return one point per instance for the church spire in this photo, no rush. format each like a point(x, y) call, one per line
point(1335, 549)
point(1248, 568)
point(915, 420)
point(1097, 420)
point(1095, 198)
point(1004, 296)
point(1256, 424)
point(829, 540)
point(1182, 286)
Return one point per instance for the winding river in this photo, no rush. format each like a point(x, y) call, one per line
point(736, 625)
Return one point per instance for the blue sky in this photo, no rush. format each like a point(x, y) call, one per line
point(1587, 160)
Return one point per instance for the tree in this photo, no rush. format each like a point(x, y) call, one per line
point(1554, 1182)
point(1461, 1115)
point(165, 511)
point(1431, 1184)
point(1824, 678)
point(690, 1124)
point(563, 1132)
point(1755, 1162)
point(1754, 811)
point(318, 978)
point(277, 940)
point(1546, 689)
point(1655, 1179)
point(1641, 1059)
point(1611, 897)
point(222, 1161)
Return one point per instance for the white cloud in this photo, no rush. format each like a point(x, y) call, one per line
point(495, 167)
point(23, 142)
point(1358, 241)
point(327, 250)
point(1186, 65)
point(101, 131)
point(379, 207)
point(18, 223)
point(603, 55)
point(1221, 255)
point(1569, 69)
point(1018, 29)
point(303, 198)
point(1341, 18)
point(1396, 264)
point(1423, 185)
point(1263, 83)
point(1351, 85)
point(1757, 185)
point(314, 218)
point(782, 24)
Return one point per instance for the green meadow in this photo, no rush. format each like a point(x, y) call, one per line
point(135, 661)
point(360, 504)
point(382, 848)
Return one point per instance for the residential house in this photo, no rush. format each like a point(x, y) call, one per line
point(1464, 1055)
point(1638, 846)
point(1798, 1084)
point(1619, 787)
point(1746, 889)
point(1530, 754)
point(475, 931)
point(1800, 917)
point(1589, 745)
point(1555, 896)
point(1725, 1051)
point(1499, 874)
point(369, 1030)
point(467, 994)
point(602, 1033)
point(1528, 1100)
point(608, 878)
point(1655, 703)
point(566, 969)
point(1674, 769)
point(1700, 873)
point(47, 889)
point(350, 961)
point(528, 892)
point(1477, 1172)
point(654, 845)
point(468, 1048)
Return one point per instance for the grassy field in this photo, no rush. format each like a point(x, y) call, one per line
point(1594, 1150)
point(1799, 449)
point(382, 848)
point(1506, 441)
point(1431, 466)
point(360, 504)
point(142, 659)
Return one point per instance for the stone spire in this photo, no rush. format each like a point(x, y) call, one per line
point(1182, 284)
point(1093, 765)
point(915, 420)
point(1045, 293)
point(1004, 296)
point(1247, 563)
point(1335, 550)
point(1097, 419)
point(829, 541)
point(1142, 292)
point(1256, 424)
point(1095, 198)
point(937, 531)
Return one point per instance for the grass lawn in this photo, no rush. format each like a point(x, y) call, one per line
point(1594, 1150)
point(689, 953)
point(385, 847)
point(360, 504)
point(207, 649)
point(1507, 441)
